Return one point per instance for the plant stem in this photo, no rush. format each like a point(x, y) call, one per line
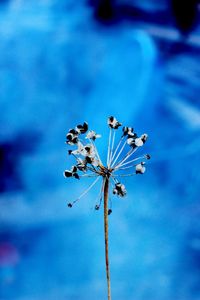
point(106, 188)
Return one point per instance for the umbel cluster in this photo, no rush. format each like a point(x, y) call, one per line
point(120, 157)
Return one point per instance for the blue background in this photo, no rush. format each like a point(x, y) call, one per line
point(59, 66)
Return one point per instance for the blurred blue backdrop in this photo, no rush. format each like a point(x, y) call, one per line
point(63, 62)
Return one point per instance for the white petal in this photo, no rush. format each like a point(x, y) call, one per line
point(98, 136)
point(143, 169)
point(130, 141)
point(138, 142)
point(90, 134)
point(140, 168)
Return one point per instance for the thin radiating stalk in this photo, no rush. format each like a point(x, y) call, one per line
point(101, 192)
point(106, 189)
point(97, 154)
point(129, 162)
point(121, 166)
point(119, 169)
point(125, 175)
point(112, 146)
point(87, 190)
point(109, 140)
point(122, 148)
point(89, 175)
point(116, 150)
point(127, 156)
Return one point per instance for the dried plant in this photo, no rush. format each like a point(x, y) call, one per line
point(119, 160)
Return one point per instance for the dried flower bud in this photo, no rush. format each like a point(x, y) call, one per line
point(128, 131)
point(119, 189)
point(139, 168)
point(113, 123)
point(81, 129)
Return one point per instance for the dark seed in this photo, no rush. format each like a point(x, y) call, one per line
point(97, 207)
point(109, 211)
point(144, 139)
point(118, 187)
point(68, 174)
point(75, 140)
point(138, 172)
point(125, 131)
point(76, 176)
point(148, 156)
point(87, 149)
point(88, 159)
point(85, 126)
point(133, 145)
point(69, 136)
point(69, 205)
point(73, 131)
point(74, 169)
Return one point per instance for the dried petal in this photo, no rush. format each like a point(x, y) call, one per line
point(139, 168)
point(92, 135)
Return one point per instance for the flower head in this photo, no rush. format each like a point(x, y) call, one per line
point(139, 168)
point(81, 129)
point(129, 131)
point(92, 135)
point(72, 137)
point(113, 123)
point(120, 157)
point(72, 172)
point(119, 189)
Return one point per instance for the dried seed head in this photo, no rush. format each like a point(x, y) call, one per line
point(119, 157)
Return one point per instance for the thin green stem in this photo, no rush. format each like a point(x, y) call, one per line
point(106, 190)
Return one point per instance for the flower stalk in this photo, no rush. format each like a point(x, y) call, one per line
point(106, 192)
